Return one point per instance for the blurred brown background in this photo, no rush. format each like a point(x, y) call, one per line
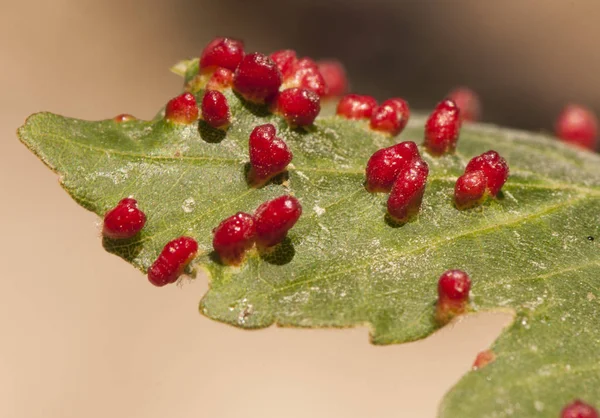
point(83, 334)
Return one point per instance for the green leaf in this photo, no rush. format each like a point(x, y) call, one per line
point(527, 251)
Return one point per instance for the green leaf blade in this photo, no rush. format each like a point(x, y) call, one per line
point(342, 264)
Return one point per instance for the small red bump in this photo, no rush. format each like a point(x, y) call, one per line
point(483, 359)
point(407, 191)
point(123, 221)
point(275, 218)
point(182, 109)
point(470, 189)
point(454, 285)
point(269, 155)
point(124, 117)
point(233, 237)
point(334, 74)
point(257, 78)
point(385, 164)
point(355, 106)
point(299, 107)
point(221, 79)
point(453, 295)
point(306, 75)
point(494, 167)
point(222, 52)
point(578, 409)
point(286, 62)
point(577, 125)
point(215, 110)
point(442, 128)
point(172, 260)
point(391, 116)
point(468, 102)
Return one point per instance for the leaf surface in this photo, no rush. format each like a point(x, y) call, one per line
point(527, 251)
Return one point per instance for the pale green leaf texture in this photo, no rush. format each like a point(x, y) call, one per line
point(343, 265)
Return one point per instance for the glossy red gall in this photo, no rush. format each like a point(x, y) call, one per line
point(300, 73)
point(233, 237)
point(442, 128)
point(124, 117)
point(257, 78)
point(220, 79)
point(222, 52)
point(494, 167)
point(385, 164)
point(454, 285)
point(391, 116)
point(269, 155)
point(215, 110)
point(469, 189)
point(274, 219)
point(123, 221)
point(579, 409)
point(483, 359)
point(468, 102)
point(285, 60)
point(182, 109)
point(334, 74)
point(356, 106)
point(404, 201)
point(453, 295)
point(306, 75)
point(299, 107)
point(172, 261)
point(577, 125)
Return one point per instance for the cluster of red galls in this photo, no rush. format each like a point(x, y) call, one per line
point(293, 87)
point(126, 220)
point(389, 117)
point(290, 86)
point(400, 171)
point(237, 234)
point(267, 227)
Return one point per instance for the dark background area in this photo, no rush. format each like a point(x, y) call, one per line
point(525, 58)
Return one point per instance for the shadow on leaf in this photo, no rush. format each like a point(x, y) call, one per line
point(254, 108)
point(214, 257)
point(394, 223)
point(298, 133)
point(253, 181)
point(281, 254)
point(127, 249)
point(210, 134)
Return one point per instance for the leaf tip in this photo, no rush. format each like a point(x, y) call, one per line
point(183, 66)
